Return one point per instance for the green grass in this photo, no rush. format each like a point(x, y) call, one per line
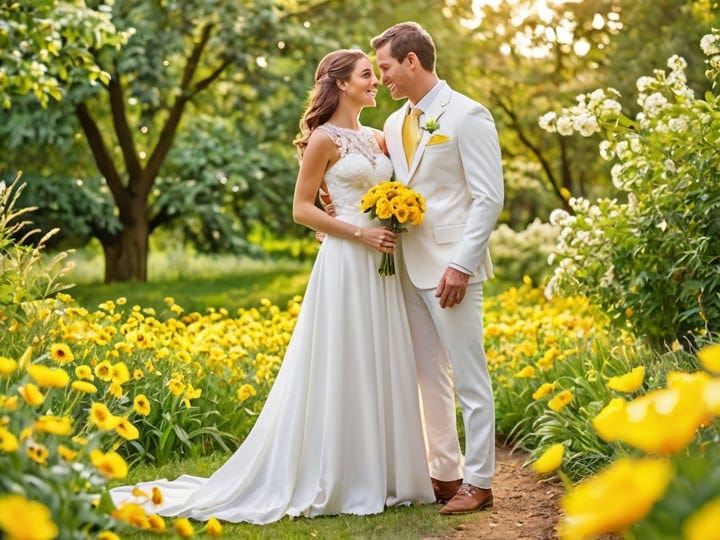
point(242, 285)
point(395, 523)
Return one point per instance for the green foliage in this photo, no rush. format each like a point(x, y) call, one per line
point(649, 259)
point(46, 45)
point(24, 275)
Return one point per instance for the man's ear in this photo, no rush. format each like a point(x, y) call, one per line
point(412, 59)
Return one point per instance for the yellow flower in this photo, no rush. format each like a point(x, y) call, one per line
point(21, 518)
point(111, 465)
point(191, 393)
point(127, 430)
point(183, 527)
point(629, 382)
point(710, 357)
point(614, 499)
point(560, 400)
point(7, 365)
point(38, 453)
point(8, 441)
point(57, 425)
point(61, 353)
point(133, 514)
point(84, 373)
point(704, 524)
point(156, 524)
point(550, 460)
point(48, 377)
point(176, 386)
point(107, 535)
point(157, 498)
point(115, 390)
point(711, 396)
point(104, 371)
point(101, 416)
point(84, 387)
point(610, 421)
point(528, 372)
point(213, 527)
point(120, 373)
point(245, 391)
point(25, 358)
point(9, 403)
point(141, 405)
point(544, 390)
point(66, 453)
point(31, 394)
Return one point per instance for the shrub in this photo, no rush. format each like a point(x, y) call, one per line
point(649, 257)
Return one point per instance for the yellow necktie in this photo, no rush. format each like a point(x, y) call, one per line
point(411, 133)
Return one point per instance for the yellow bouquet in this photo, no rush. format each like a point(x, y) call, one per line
point(394, 204)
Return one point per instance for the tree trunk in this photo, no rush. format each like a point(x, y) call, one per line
point(126, 253)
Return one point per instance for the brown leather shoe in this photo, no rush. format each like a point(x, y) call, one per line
point(468, 498)
point(445, 490)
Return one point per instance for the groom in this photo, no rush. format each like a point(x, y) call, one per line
point(444, 145)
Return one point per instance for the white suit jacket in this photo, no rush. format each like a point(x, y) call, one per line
point(458, 169)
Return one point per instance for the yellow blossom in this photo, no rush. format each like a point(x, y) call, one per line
point(25, 358)
point(21, 518)
point(127, 430)
point(560, 400)
point(101, 416)
point(629, 382)
point(176, 386)
point(10, 403)
point(115, 390)
point(141, 405)
point(213, 527)
point(710, 357)
point(7, 366)
point(156, 524)
point(8, 441)
point(84, 387)
point(704, 524)
point(610, 421)
point(191, 393)
point(61, 353)
point(104, 371)
point(120, 373)
point(550, 460)
point(544, 390)
point(711, 396)
point(31, 394)
point(528, 372)
point(58, 425)
point(245, 391)
point(107, 535)
point(133, 514)
point(183, 527)
point(38, 453)
point(614, 498)
point(111, 465)
point(84, 373)
point(48, 377)
point(66, 453)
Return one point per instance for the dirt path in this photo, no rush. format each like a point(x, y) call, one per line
point(526, 508)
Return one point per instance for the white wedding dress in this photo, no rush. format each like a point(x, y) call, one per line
point(340, 431)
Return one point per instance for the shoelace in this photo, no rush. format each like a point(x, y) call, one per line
point(466, 489)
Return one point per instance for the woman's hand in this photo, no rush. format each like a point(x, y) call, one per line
point(380, 239)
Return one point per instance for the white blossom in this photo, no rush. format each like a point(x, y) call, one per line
point(710, 44)
point(547, 121)
point(564, 126)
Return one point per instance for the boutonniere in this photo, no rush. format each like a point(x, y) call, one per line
point(431, 125)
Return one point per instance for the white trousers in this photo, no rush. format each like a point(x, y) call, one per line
point(450, 360)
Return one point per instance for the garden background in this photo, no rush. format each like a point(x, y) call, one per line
point(150, 272)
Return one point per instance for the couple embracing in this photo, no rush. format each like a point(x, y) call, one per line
point(362, 414)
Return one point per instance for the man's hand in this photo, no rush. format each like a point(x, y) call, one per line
point(452, 287)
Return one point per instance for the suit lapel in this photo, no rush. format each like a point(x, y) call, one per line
point(437, 109)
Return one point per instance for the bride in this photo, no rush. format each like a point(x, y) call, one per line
point(340, 431)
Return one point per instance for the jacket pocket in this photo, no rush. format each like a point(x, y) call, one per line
point(445, 234)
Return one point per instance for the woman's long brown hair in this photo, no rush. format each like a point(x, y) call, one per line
point(324, 97)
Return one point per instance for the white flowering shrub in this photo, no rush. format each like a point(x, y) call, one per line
point(516, 254)
point(651, 256)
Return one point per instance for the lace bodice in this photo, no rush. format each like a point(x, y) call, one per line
point(361, 165)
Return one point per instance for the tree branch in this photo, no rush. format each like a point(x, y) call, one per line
point(104, 161)
point(122, 129)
